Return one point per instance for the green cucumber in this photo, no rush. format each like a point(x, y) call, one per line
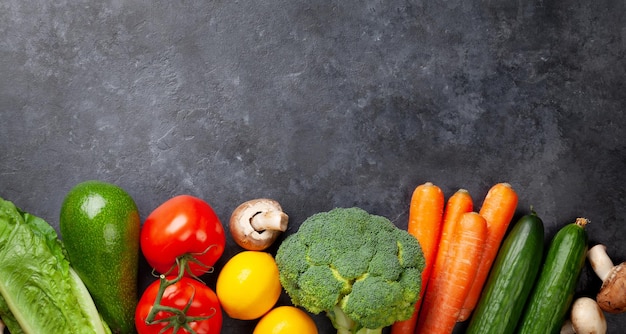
point(553, 292)
point(511, 279)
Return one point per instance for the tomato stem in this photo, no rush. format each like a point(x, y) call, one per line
point(179, 318)
point(183, 264)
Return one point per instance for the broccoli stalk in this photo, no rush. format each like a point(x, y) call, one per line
point(345, 325)
point(342, 323)
point(358, 268)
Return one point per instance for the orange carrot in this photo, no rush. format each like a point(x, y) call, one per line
point(458, 204)
point(498, 209)
point(425, 220)
point(444, 299)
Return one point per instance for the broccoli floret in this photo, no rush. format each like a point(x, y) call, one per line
point(358, 268)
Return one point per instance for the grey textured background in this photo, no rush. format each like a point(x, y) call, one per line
point(319, 104)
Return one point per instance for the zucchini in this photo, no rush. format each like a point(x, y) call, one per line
point(511, 279)
point(553, 292)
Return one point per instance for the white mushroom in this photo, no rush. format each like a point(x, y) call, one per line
point(257, 223)
point(586, 318)
point(612, 295)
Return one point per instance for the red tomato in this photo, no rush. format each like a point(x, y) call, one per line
point(183, 226)
point(202, 302)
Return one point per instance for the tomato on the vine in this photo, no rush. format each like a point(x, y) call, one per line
point(186, 306)
point(185, 231)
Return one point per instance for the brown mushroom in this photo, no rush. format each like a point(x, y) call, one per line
point(257, 223)
point(612, 295)
point(586, 317)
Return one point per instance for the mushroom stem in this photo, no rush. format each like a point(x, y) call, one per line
point(270, 220)
point(600, 261)
point(568, 327)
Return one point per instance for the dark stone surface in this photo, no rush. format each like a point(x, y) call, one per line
point(318, 105)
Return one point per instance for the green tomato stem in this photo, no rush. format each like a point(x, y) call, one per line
point(179, 318)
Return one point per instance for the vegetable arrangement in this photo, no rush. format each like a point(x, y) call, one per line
point(499, 279)
point(452, 264)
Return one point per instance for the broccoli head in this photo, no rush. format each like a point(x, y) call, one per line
point(359, 268)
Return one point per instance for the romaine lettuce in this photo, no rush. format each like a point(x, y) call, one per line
point(39, 291)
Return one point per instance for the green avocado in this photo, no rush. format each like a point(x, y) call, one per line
point(99, 226)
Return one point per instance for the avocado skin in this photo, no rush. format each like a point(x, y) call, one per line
point(99, 226)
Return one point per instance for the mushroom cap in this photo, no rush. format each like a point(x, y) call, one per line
point(612, 295)
point(269, 218)
point(587, 317)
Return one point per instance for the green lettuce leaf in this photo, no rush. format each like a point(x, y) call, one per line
point(40, 293)
point(8, 318)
